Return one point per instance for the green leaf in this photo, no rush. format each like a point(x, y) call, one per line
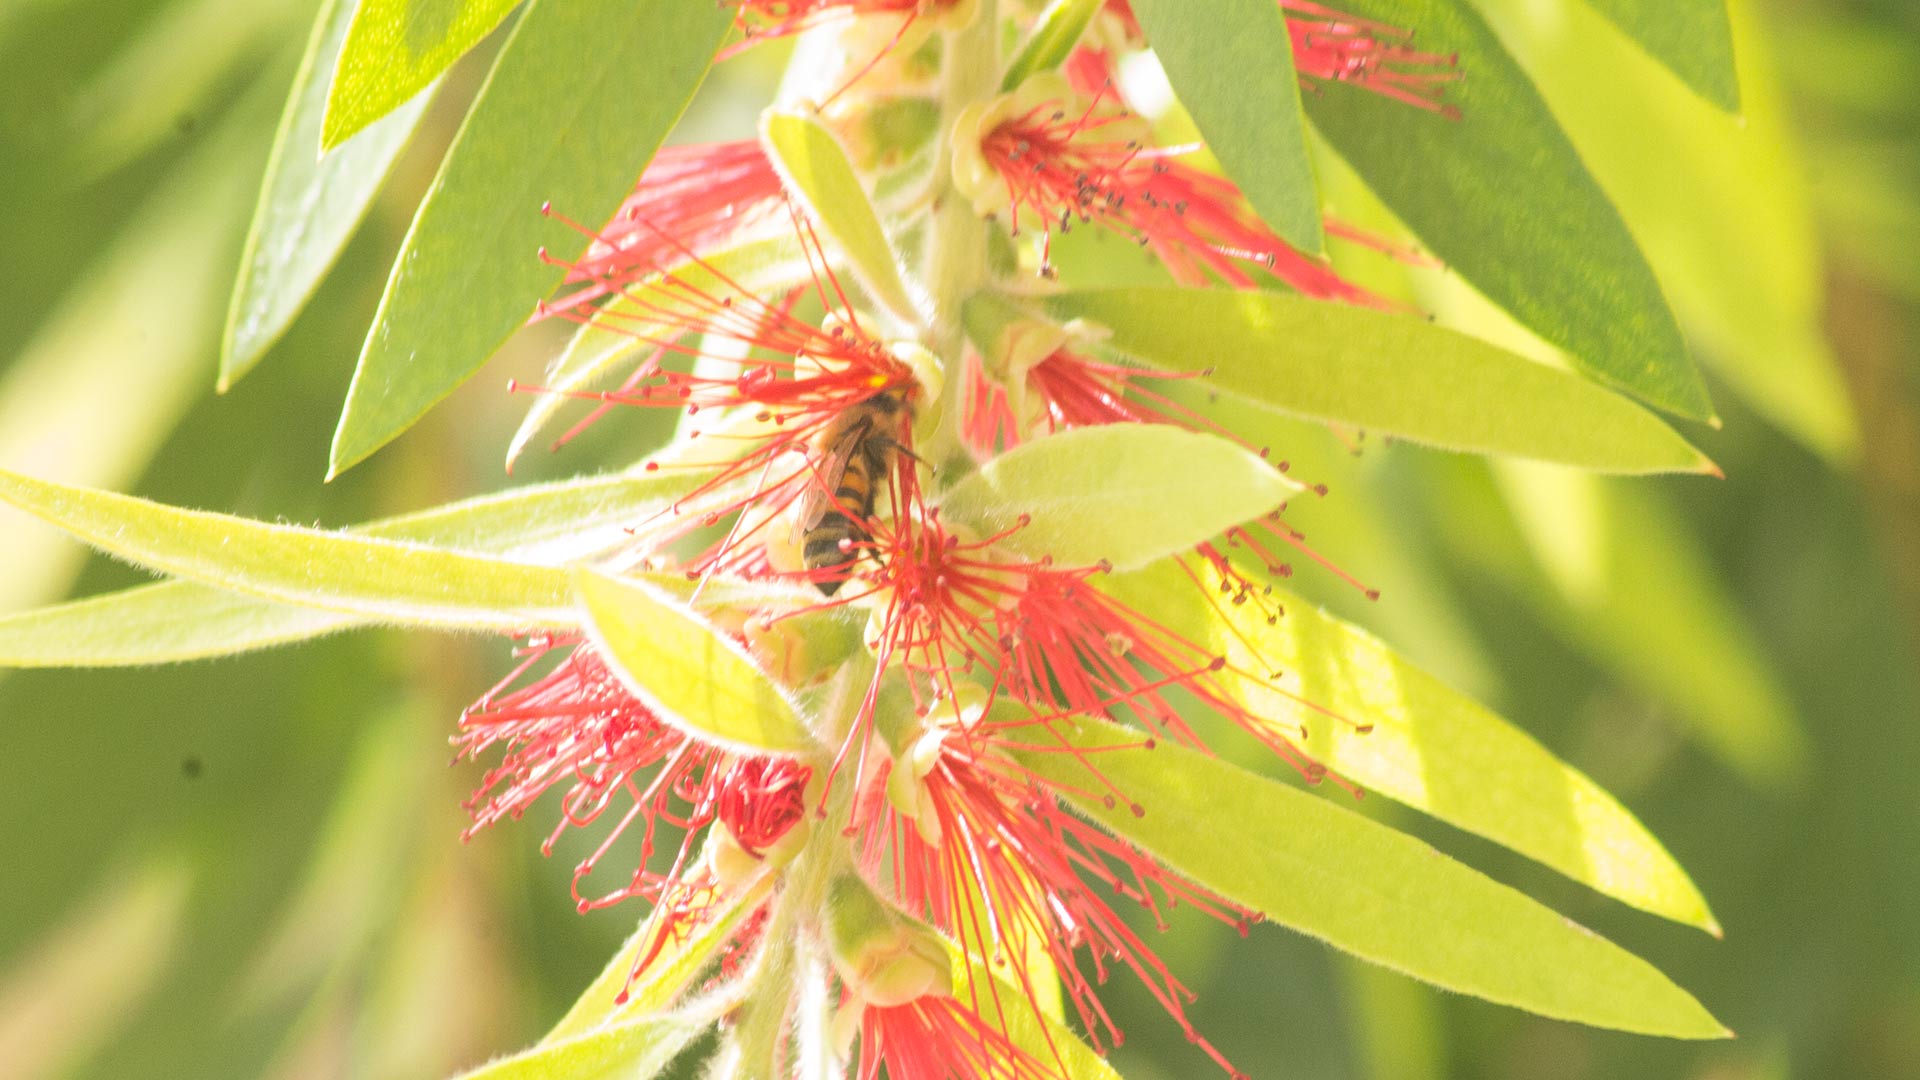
point(671, 971)
point(383, 580)
point(689, 672)
point(1388, 373)
point(816, 170)
point(1691, 37)
point(634, 1050)
point(1124, 493)
point(309, 203)
point(1055, 32)
point(1502, 196)
point(581, 96)
point(1231, 64)
point(1304, 862)
point(182, 620)
point(1006, 1008)
point(1720, 203)
point(1398, 731)
point(393, 50)
point(643, 317)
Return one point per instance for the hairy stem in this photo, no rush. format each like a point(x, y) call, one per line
point(956, 251)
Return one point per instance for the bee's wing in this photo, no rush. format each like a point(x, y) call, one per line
point(818, 496)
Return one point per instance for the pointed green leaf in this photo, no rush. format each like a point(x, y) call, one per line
point(1125, 493)
point(816, 170)
point(173, 621)
point(1721, 204)
point(1388, 373)
point(670, 972)
point(309, 204)
point(691, 673)
point(1398, 731)
point(634, 1050)
point(1005, 1007)
point(384, 580)
point(581, 96)
point(1502, 196)
point(647, 316)
point(1306, 863)
point(1691, 37)
point(1055, 32)
point(1231, 63)
point(393, 50)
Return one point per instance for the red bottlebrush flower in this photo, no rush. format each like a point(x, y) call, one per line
point(1332, 46)
point(1040, 155)
point(578, 728)
point(812, 417)
point(939, 1038)
point(691, 200)
point(981, 849)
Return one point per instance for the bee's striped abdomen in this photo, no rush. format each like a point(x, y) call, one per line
point(830, 544)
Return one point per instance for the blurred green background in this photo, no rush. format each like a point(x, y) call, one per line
point(250, 867)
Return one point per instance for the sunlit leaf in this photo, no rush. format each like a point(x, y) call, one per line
point(815, 169)
point(650, 315)
point(688, 671)
point(382, 580)
point(1231, 63)
point(393, 50)
point(580, 97)
point(1040, 1034)
point(1398, 731)
point(1306, 863)
point(182, 620)
point(1387, 373)
point(1503, 198)
point(1055, 32)
point(309, 204)
point(671, 971)
point(1124, 493)
point(634, 1050)
point(1691, 37)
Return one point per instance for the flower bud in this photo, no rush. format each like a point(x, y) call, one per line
point(883, 957)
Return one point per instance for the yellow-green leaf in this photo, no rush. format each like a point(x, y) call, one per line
point(1402, 733)
point(634, 1050)
point(393, 50)
point(171, 621)
point(1306, 863)
point(817, 172)
point(382, 580)
point(1055, 32)
point(1124, 493)
point(1388, 373)
point(688, 671)
point(672, 969)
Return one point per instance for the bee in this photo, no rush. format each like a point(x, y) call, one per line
point(857, 451)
